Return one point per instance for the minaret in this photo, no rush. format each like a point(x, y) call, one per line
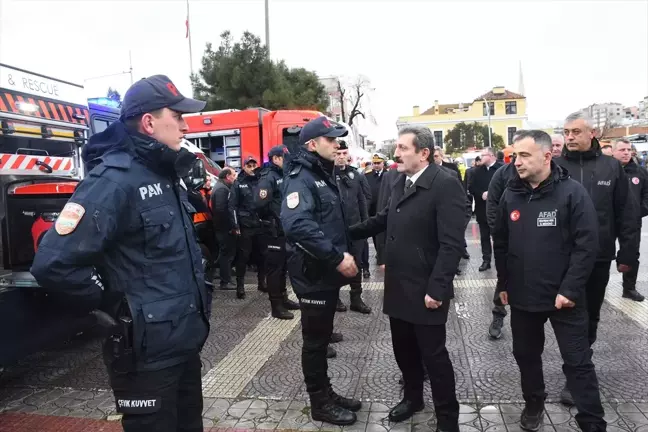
point(521, 81)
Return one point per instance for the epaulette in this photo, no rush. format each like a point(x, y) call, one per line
point(295, 170)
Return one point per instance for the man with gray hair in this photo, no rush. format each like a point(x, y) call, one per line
point(557, 144)
point(638, 176)
point(617, 210)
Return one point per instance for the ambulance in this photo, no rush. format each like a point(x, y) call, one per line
point(43, 124)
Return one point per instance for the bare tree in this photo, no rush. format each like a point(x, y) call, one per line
point(351, 97)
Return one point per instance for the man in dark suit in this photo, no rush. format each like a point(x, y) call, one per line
point(478, 188)
point(424, 223)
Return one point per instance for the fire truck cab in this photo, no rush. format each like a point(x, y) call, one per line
point(229, 136)
point(43, 124)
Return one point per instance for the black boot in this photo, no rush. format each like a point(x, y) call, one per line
point(340, 306)
point(325, 410)
point(330, 352)
point(240, 289)
point(495, 329)
point(632, 294)
point(366, 274)
point(485, 266)
point(336, 338)
point(532, 415)
point(289, 304)
point(261, 286)
point(357, 305)
point(279, 311)
point(346, 403)
point(566, 397)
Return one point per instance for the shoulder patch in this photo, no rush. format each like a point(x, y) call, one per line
point(263, 193)
point(69, 218)
point(351, 175)
point(292, 200)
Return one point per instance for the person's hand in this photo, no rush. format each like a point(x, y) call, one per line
point(503, 297)
point(348, 266)
point(382, 267)
point(623, 268)
point(430, 303)
point(236, 231)
point(563, 302)
point(485, 196)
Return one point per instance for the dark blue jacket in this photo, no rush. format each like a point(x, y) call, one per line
point(241, 201)
point(269, 195)
point(129, 223)
point(312, 216)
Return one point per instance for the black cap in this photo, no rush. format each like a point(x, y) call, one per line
point(154, 93)
point(278, 150)
point(321, 127)
point(343, 145)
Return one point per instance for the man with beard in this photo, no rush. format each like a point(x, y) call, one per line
point(639, 187)
point(617, 210)
point(355, 211)
point(317, 243)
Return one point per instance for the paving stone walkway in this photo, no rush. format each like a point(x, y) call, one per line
point(252, 372)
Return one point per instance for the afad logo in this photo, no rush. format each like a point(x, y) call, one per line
point(635, 180)
point(515, 215)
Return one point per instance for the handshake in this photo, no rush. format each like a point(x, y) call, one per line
point(348, 266)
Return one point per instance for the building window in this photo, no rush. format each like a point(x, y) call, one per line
point(511, 107)
point(511, 132)
point(438, 138)
point(491, 106)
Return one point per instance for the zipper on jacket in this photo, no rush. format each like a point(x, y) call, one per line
point(581, 168)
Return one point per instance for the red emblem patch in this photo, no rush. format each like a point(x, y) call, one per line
point(326, 123)
point(172, 89)
point(635, 180)
point(515, 215)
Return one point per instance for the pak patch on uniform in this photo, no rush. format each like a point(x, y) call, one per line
point(69, 218)
point(292, 200)
point(263, 193)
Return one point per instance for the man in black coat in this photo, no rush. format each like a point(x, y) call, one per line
point(375, 178)
point(478, 188)
point(544, 208)
point(617, 210)
point(355, 211)
point(224, 226)
point(425, 228)
point(384, 194)
point(638, 177)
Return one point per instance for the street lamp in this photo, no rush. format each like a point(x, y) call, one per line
point(489, 122)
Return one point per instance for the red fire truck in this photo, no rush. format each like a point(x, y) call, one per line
point(228, 136)
point(43, 124)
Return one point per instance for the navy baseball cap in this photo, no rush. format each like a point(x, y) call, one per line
point(154, 93)
point(250, 159)
point(279, 150)
point(321, 127)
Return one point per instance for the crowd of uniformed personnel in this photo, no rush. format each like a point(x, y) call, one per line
point(124, 245)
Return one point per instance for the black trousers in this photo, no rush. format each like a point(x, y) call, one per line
point(250, 239)
point(356, 282)
point(571, 329)
point(595, 293)
point(414, 342)
point(485, 238)
point(275, 265)
point(167, 400)
point(630, 278)
point(226, 250)
point(317, 312)
point(364, 262)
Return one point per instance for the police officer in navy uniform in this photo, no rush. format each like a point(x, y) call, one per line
point(247, 224)
point(124, 243)
point(319, 263)
point(268, 201)
point(356, 211)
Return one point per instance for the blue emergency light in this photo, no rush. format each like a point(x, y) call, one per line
point(104, 101)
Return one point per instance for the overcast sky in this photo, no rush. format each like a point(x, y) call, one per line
point(572, 53)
